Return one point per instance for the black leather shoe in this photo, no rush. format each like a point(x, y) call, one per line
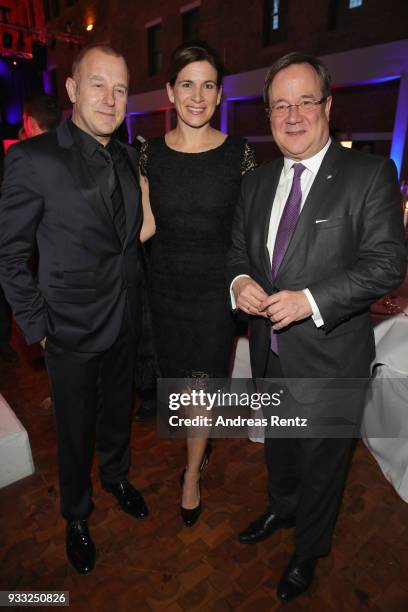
point(263, 527)
point(129, 498)
point(80, 548)
point(297, 578)
point(189, 515)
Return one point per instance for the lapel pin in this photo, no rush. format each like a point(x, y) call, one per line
point(329, 176)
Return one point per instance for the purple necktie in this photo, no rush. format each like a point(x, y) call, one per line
point(286, 228)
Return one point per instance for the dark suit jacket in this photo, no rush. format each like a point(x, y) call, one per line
point(347, 261)
point(86, 276)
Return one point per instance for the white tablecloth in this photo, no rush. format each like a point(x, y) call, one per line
point(388, 406)
point(387, 409)
point(15, 453)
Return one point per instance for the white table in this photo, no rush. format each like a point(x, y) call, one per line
point(15, 453)
point(386, 412)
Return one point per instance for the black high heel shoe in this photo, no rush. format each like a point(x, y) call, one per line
point(190, 515)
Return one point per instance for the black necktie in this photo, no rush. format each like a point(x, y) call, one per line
point(115, 192)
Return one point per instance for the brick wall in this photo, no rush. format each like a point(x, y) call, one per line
point(368, 108)
point(234, 27)
point(148, 125)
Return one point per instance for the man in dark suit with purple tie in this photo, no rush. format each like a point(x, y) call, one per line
point(75, 190)
point(317, 238)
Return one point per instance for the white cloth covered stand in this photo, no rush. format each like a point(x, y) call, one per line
point(15, 453)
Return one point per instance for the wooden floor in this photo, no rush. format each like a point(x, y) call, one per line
point(157, 564)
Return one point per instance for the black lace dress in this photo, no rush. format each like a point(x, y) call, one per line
point(192, 196)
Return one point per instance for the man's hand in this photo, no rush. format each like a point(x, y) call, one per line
point(249, 296)
point(42, 342)
point(286, 307)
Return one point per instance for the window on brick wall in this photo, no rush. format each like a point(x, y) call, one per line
point(46, 9)
point(55, 8)
point(190, 21)
point(31, 14)
point(154, 49)
point(340, 14)
point(275, 21)
point(51, 9)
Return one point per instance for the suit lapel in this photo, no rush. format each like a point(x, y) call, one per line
point(319, 195)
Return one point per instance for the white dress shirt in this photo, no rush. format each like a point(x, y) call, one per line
point(312, 165)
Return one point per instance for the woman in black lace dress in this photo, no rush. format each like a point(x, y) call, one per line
point(194, 174)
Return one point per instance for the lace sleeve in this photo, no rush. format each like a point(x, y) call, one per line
point(248, 159)
point(143, 158)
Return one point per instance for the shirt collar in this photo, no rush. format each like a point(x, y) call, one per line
point(85, 142)
point(311, 163)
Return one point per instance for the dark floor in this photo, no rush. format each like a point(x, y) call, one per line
point(159, 565)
